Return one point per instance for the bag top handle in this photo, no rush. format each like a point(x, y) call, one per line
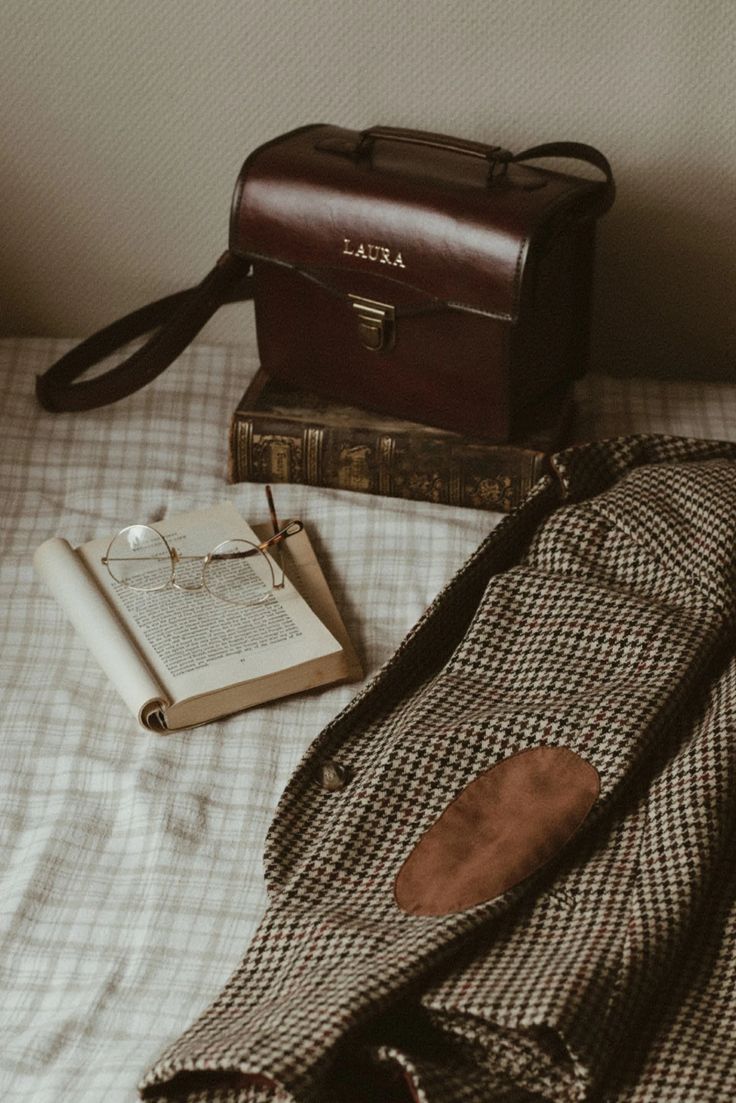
point(497, 157)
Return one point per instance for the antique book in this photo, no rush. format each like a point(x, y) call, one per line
point(185, 656)
point(278, 434)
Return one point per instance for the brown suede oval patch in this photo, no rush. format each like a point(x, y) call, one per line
point(504, 825)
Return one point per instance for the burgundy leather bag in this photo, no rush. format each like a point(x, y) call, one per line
point(423, 276)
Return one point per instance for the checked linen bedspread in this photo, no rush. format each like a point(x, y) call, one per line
point(132, 867)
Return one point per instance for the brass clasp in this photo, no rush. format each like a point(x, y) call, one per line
point(376, 323)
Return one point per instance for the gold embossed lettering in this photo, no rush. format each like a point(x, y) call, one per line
point(373, 252)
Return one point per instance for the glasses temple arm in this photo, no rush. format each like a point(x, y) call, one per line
point(291, 528)
point(105, 559)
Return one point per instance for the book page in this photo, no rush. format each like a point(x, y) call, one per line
point(63, 571)
point(193, 642)
point(303, 568)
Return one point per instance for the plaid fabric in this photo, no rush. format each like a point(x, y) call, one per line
point(131, 867)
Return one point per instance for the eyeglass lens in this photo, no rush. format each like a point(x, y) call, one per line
point(237, 571)
point(140, 557)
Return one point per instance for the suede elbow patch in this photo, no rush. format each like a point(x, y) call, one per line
point(506, 824)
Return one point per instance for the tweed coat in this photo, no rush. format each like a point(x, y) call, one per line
point(505, 871)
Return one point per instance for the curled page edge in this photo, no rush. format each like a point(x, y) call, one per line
point(152, 717)
point(63, 571)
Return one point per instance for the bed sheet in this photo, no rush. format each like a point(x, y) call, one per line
point(131, 863)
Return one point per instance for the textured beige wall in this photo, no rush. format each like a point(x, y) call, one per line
point(124, 123)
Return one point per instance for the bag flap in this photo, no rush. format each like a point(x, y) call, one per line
point(424, 217)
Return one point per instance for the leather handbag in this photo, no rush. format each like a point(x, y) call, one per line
point(420, 275)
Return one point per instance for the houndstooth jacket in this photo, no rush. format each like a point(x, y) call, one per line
point(506, 871)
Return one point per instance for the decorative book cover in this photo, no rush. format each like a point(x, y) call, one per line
point(278, 434)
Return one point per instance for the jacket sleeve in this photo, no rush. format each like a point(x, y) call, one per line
point(455, 869)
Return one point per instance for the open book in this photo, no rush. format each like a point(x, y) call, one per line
point(180, 658)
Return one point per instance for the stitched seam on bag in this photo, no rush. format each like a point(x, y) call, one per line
point(401, 311)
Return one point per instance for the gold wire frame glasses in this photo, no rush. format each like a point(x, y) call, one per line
point(237, 571)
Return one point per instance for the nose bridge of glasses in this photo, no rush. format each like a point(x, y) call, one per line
point(184, 570)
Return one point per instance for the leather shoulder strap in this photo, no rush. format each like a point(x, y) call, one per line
point(176, 320)
point(576, 151)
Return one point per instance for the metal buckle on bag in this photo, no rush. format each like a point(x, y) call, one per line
point(376, 323)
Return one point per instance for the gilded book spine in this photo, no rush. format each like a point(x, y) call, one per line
point(428, 468)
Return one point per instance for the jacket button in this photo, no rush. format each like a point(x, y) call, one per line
point(333, 776)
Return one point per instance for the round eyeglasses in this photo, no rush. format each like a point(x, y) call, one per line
point(237, 571)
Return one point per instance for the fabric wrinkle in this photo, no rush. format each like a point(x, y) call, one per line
point(596, 626)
